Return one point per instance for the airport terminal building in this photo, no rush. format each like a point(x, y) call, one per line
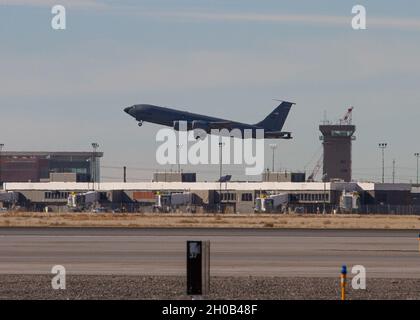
point(70, 181)
point(228, 197)
point(49, 166)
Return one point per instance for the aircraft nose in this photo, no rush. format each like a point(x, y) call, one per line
point(129, 110)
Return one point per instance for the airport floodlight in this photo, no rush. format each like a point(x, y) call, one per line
point(95, 147)
point(382, 146)
point(273, 147)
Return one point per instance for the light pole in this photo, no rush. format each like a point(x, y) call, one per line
point(393, 171)
point(178, 146)
point(383, 146)
point(95, 147)
point(273, 147)
point(324, 178)
point(417, 155)
point(1, 178)
point(221, 144)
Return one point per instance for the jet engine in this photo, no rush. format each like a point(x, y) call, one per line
point(176, 125)
point(198, 124)
point(184, 125)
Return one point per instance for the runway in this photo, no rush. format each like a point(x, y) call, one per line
point(234, 252)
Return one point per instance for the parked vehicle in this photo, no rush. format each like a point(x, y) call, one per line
point(99, 210)
point(271, 203)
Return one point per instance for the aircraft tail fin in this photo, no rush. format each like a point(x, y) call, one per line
point(276, 119)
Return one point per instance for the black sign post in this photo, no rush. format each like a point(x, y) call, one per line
point(198, 268)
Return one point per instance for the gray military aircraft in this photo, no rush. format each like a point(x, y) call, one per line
point(272, 124)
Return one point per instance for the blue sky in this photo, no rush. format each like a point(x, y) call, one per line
point(61, 90)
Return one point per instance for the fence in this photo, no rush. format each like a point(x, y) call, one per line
point(390, 209)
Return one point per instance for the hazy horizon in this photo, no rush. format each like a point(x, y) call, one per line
point(62, 90)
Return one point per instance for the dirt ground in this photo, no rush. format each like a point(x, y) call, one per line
point(83, 287)
point(292, 221)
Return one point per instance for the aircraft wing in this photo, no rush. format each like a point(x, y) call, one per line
point(221, 125)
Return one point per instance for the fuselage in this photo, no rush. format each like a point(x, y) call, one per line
point(167, 116)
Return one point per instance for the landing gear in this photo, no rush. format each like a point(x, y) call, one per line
point(200, 135)
point(140, 123)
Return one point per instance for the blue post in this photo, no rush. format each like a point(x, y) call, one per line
point(344, 268)
point(343, 281)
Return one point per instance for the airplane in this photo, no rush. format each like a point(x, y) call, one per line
point(272, 124)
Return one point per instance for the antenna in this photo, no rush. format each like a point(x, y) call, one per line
point(325, 120)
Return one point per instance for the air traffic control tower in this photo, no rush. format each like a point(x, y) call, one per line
point(337, 142)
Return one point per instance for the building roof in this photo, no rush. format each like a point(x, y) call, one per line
point(48, 153)
point(236, 186)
